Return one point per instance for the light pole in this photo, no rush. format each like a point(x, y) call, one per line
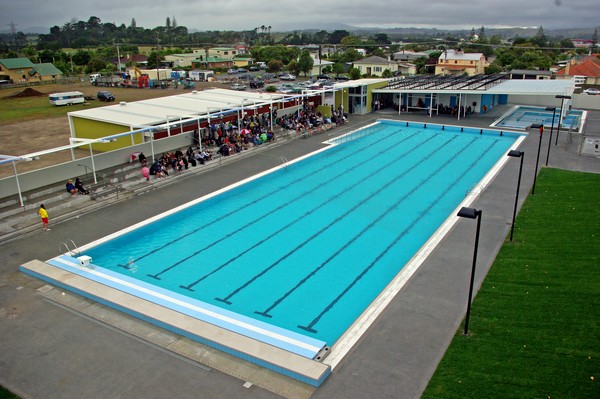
point(518, 154)
point(537, 160)
point(553, 109)
point(471, 213)
point(562, 103)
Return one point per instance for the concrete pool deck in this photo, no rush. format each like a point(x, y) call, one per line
point(55, 351)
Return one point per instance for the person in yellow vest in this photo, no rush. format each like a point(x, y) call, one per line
point(44, 215)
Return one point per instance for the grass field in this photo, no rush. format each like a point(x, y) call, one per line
point(534, 330)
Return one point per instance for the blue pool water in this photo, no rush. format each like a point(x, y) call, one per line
point(308, 247)
point(522, 117)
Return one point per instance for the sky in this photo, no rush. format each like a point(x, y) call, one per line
point(288, 15)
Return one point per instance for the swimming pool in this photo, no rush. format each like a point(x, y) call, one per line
point(295, 256)
point(521, 117)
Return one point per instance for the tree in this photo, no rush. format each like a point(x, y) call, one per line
point(305, 62)
point(386, 73)
point(482, 38)
point(293, 67)
point(338, 68)
point(133, 24)
point(274, 66)
point(540, 38)
point(154, 59)
point(354, 73)
point(595, 40)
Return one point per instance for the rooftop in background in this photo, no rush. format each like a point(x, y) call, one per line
point(491, 84)
point(158, 110)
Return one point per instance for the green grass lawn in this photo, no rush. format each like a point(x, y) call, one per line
point(28, 108)
point(534, 330)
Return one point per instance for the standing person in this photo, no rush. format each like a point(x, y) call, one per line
point(44, 215)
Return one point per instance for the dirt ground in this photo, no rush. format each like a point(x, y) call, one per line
point(43, 132)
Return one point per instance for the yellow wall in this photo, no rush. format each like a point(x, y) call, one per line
point(370, 89)
point(90, 129)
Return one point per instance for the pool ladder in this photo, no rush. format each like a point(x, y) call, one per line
point(72, 252)
point(282, 161)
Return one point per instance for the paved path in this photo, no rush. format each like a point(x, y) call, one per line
point(51, 351)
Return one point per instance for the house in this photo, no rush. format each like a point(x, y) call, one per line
point(212, 63)
point(22, 70)
point(406, 68)
point(457, 62)
point(374, 65)
point(241, 62)
point(181, 60)
point(318, 66)
point(587, 70)
point(530, 74)
point(46, 71)
point(222, 52)
point(17, 70)
point(407, 55)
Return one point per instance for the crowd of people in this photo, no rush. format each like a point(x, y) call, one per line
point(173, 162)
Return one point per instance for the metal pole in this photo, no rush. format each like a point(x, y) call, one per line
point(550, 139)
point(152, 145)
point(18, 185)
point(512, 227)
point(479, 213)
point(537, 159)
point(93, 166)
point(562, 101)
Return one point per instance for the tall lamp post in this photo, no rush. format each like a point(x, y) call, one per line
point(537, 161)
point(471, 213)
point(562, 103)
point(517, 154)
point(553, 109)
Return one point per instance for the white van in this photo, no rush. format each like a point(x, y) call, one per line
point(66, 98)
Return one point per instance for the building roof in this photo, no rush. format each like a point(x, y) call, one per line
point(222, 48)
point(16, 63)
point(156, 111)
point(588, 68)
point(47, 69)
point(480, 84)
point(459, 55)
point(373, 60)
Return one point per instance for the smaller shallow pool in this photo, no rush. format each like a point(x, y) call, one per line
point(520, 117)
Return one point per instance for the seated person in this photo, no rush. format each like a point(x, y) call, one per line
point(71, 188)
point(143, 159)
point(80, 188)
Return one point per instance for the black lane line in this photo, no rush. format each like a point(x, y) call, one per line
point(257, 219)
point(310, 326)
point(363, 231)
point(283, 228)
point(325, 228)
point(266, 195)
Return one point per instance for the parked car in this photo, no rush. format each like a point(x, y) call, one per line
point(238, 86)
point(592, 91)
point(232, 71)
point(254, 68)
point(242, 70)
point(105, 96)
point(323, 76)
point(288, 76)
point(255, 84)
point(342, 78)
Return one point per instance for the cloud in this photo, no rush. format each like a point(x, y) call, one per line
point(294, 15)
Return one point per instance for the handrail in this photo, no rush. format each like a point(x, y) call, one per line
point(72, 252)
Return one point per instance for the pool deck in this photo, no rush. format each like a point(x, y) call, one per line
point(61, 345)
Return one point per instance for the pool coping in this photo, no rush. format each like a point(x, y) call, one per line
point(281, 361)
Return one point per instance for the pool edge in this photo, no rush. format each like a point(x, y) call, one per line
point(275, 359)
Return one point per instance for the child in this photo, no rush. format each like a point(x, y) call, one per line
point(44, 215)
